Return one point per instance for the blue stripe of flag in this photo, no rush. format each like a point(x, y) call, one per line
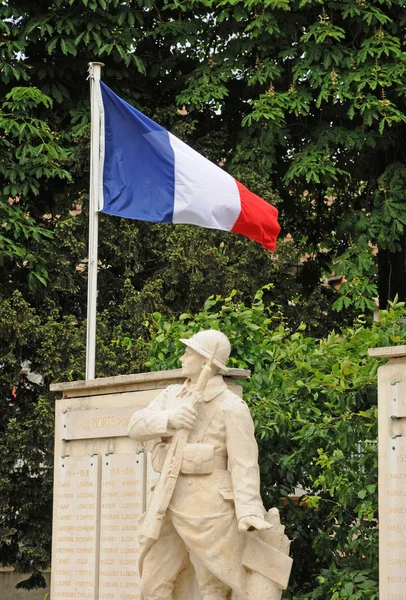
point(139, 164)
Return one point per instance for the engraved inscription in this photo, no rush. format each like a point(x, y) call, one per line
point(74, 567)
point(121, 508)
point(96, 423)
point(396, 518)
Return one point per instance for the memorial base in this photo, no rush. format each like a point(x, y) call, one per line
point(102, 486)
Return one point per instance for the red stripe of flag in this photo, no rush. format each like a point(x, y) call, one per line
point(258, 220)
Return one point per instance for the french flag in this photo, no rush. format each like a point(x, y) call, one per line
point(149, 174)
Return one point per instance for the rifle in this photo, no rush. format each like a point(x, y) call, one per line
point(152, 522)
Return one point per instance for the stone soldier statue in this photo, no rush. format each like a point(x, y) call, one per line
point(215, 497)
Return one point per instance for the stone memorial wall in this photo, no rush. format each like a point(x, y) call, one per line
point(76, 530)
point(122, 503)
point(392, 472)
point(102, 484)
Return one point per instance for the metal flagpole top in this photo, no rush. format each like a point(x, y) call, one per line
point(94, 69)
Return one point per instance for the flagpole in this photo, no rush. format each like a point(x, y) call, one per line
point(94, 76)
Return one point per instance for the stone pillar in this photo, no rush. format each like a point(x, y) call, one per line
point(101, 484)
point(392, 472)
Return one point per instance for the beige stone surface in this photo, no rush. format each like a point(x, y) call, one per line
point(396, 515)
point(388, 352)
point(91, 419)
point(75, 539)
point(94, 411)
point(266, 554)
point(122, 503)
point(88, 410)
point(207, 498)
point(97, 423)
point(151, 479)
point(392, 478)
point(138, 381)
point(398, 399)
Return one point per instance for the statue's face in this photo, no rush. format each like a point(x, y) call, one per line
point(192, 362)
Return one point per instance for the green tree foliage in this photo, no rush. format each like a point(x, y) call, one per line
point(29, 153)
point(319, 88)
point(308, 95)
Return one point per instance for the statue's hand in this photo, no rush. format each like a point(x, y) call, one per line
point(250, 523)
point(183, 417)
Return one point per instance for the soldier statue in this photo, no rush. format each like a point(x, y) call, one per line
point(206, 505)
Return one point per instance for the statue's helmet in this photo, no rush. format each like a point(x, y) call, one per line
point(204, 343)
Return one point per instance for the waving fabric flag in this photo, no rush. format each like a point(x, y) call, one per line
point(149, 174)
